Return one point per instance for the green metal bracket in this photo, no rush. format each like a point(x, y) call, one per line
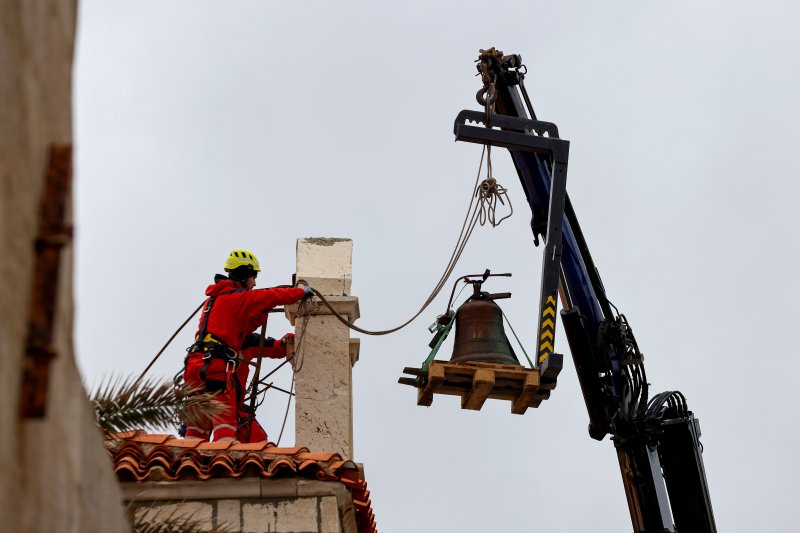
point(442, 331)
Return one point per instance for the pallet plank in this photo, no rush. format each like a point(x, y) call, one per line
point(482, 385)
point(529, 391)
point(435, 378)
point(475, 382)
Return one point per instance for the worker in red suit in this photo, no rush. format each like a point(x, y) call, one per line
point(233, 310)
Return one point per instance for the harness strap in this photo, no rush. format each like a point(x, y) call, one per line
point(209, 344)
point(220, 352)
point(204, 368)
point(207, 312)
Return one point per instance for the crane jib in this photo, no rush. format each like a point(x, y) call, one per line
point(656, 438)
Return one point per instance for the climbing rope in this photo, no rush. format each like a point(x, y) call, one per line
point(167, 344)
point(286, 413)
point(304, 311)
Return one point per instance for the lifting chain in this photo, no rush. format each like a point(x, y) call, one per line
point(487, 95)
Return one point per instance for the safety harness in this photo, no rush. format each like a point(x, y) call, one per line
point(211, 346)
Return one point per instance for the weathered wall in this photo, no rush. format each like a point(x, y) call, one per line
point(249, 505)
point(56, 476)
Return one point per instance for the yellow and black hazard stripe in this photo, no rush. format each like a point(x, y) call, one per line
point(547, 328)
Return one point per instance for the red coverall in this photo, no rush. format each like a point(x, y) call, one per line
point(272, 349)
point(233, 316)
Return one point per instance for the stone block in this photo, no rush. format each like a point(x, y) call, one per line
point(348, 520)
point(278, 488)
point(355, 351)
point(311, 487)
point(326, 264)
point(229, 515)
point(329, 515)
point(192, 490)
point(298, 515)
point(323, 383)
point(199, 512)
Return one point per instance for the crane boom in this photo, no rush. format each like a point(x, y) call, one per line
point(657, 438)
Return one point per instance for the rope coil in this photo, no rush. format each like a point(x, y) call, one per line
point(491, 193)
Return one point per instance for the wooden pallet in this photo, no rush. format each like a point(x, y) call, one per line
point(477, 382)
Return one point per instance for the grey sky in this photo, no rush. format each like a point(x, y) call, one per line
point(207, 126)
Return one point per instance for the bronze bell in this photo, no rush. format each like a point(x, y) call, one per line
point(480, 336)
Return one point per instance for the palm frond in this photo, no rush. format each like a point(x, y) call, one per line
point(123, 404)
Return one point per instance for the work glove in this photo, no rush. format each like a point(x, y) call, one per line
point(252, 340)
point(287, 339)
point(308, 292)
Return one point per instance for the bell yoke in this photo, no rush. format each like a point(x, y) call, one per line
point(225, 339)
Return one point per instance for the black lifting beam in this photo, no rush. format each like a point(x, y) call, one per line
point(521, 134)
point(516, 134)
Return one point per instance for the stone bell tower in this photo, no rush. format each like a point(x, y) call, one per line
point(325, 353)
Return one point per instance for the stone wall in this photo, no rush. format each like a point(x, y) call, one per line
point(56, 475)
point(250, 505)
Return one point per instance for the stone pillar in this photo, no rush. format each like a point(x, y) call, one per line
point(325, 353)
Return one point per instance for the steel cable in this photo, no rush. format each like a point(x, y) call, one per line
point(482, 208)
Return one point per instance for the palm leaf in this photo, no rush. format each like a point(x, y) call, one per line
point(123, 404)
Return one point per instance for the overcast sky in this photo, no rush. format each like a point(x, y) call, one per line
point(207, 126)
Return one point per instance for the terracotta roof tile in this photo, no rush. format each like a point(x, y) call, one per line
point(282, 464)
point(141, 457)
point(154, 439)
point(124, 434)
point(223, 445)
point(187, 470)
point(184, 443)
point(255, 446)
point(322, 457)
point(285, 451)
point(338, 465)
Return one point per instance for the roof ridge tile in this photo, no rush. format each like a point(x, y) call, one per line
point(319, 456)
point(123, 435)
point(154, 438)
point(184, 443)
point(249, 446)
point(285, 451)
point(213, 446)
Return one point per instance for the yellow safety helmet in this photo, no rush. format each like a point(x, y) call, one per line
point(240, 258)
